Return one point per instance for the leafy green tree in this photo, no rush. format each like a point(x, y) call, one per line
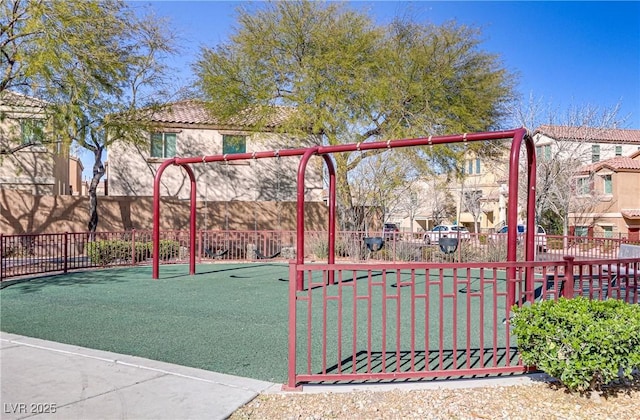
point(355, 81)
point(94, 61)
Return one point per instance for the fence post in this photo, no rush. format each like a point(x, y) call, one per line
point(1, 256)
point(133, 247)
point(567, 292)
point(66, 252)
point(291, 384)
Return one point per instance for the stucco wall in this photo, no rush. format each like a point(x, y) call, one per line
point(30, 169)
point(26, 213)
point(131, 170)
point(625, 195)
point(39, 169)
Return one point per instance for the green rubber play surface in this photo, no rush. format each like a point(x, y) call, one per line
point(227, 318)
point(232, 318)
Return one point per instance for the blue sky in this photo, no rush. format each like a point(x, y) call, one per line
point(568, 54)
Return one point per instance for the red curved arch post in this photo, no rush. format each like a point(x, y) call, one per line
point(519, 136)
point(331, 259)
point(302, 166)
point(155, 264)
point(155, 235)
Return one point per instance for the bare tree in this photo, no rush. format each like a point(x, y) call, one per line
point(561, 158)
point(381, 184)
point(472, 202)
point(409, 204)
point(438, 202)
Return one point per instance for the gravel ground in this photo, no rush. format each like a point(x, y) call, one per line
point(530, 401)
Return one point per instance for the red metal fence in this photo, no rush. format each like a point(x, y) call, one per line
point(407, 310)
point(59, 252)
point(363, 322)
point(32, 254)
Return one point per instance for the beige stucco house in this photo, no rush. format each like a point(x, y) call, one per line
point(186, 129)
point(30, 159)
point(615, 183)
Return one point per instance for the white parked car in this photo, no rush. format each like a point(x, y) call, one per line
point(541, 236)
point(443, 231)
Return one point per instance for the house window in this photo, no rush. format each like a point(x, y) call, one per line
point(544, 152)
point(582, 230)
point(618, 150)
point(234, 144)
point(595, 153)
point(470, 163)
point(607, 231)
point(31, 131)
point(163, 145)
point(583, 186)
point(608, 184)
point(477, 166)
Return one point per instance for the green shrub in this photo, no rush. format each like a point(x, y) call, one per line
point(143, 250)
point(107, 251)
point(319, 247)
point(555, 243)
point(169, 249)
point(583, 343)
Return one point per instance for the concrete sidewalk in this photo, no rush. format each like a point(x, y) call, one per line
point(47, 380)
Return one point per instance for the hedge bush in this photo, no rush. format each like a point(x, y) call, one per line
point(105, 252)
point(583, 343)
point(168, 249)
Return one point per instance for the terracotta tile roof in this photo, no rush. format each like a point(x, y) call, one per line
point(14, 99)
point(616, 164)
point(630, 213)
point(590, 134)
point(194, 112)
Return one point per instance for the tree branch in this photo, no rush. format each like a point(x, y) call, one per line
point(15, 149)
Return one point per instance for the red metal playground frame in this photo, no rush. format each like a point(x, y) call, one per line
point(517, 136)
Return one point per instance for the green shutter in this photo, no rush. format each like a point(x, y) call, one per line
point(156, 145)
point(595, 153)
point(169, 145)
point(608, 184)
